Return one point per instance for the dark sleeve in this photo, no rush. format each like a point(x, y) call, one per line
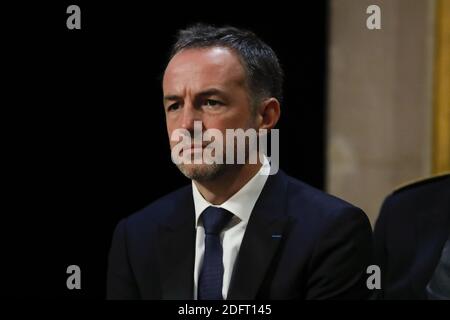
point(341, 257)
point(120, 280)
point(380, 234)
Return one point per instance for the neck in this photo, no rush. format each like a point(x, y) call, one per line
point(224, 187)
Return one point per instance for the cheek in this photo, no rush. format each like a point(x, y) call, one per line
point(234, 121)
point(170, 130)
point(171, 124)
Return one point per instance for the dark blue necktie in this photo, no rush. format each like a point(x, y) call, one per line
point(211, 275)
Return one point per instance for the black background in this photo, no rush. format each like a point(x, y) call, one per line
point(83, 129)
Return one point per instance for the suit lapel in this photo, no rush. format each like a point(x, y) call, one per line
point(177, 250)
point(261, 240)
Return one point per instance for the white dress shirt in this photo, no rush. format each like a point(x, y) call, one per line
point(241, 206)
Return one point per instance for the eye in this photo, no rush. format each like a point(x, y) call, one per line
point(173, 106)
point(212, 103)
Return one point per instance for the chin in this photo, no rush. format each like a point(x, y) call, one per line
point(202, 172)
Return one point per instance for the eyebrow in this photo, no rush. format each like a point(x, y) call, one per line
point(205, 93)
point(172, 97)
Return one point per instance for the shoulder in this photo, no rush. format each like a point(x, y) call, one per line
point(310, 204)
point(322, 221)
point(431, 190)
point(305, 195)
point(422, 184)
point(416, 198)
point(159, 210)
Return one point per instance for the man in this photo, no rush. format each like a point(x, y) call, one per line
point(412, 241)
point(235, 232)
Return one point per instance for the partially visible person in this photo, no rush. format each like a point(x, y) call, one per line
point(412, 243)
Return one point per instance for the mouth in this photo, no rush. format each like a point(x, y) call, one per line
point(195, 149)
point(196, 146)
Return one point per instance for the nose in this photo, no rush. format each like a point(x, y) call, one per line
point(189, 116)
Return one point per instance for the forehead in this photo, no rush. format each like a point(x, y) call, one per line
point(203, 67)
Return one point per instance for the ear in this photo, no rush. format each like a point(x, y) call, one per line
point(269, 113)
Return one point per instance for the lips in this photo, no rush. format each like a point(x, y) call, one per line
point(198, 146)
point(194, 148)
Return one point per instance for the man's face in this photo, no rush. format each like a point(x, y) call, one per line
point(207, 85)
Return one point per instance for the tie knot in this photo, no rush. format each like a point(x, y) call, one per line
point(215, 219)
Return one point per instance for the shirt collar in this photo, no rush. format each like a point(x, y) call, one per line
point(242, 202)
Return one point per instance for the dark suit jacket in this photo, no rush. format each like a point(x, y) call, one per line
point(412, 228)
point(323, 252)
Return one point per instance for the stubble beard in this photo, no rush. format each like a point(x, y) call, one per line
point(203, 172)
